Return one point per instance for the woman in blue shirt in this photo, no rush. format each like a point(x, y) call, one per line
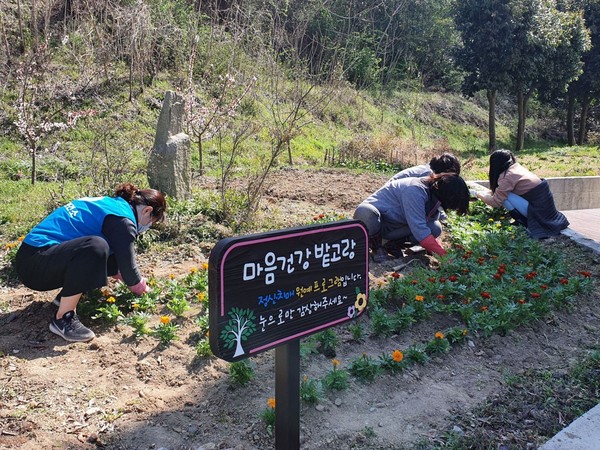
point(81, 243)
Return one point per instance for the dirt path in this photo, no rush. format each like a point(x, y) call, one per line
point(129, 394)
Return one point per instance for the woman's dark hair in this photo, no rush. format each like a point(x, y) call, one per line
point(151, 197)
point(451, 190)
point(446, 162)
point(500, 161)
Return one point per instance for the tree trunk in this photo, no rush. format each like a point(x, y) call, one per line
point(585, 107)
point(200, 154)
point(34, 25)
point(522, 100)
point(491, 96)
point(570, 113)
point(289, 149)
point(33, 166)
point(20, 19)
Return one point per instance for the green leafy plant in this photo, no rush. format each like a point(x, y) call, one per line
point(393, 362)
point(139, 322)
point(203, 348)
point(439, 344)
point(337, 378)
point(364, 368)
point(178, 305)
point(310, 391)
point(357, 332)
point(241, 372)
point(109, 312)
point(166, 331)
point(269, 415)
point(328, 341)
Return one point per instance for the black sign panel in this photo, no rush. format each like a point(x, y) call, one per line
point(267, 289)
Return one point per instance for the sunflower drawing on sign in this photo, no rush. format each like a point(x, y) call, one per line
point(240, 326)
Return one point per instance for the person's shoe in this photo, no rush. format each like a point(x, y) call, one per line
point(70, 328)
point(380, 255)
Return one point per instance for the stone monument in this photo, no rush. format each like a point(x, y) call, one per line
point(169, 166)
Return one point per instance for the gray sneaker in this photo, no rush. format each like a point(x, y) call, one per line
point(70, 328)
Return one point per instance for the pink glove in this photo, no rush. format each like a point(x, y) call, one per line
point(140, 288)
point(118, 276)
point(432, 245)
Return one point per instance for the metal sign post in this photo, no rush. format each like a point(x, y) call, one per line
point(287, 394)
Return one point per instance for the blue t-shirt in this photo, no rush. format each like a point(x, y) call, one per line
point(78, 218)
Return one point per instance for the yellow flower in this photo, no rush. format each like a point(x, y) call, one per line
point(204, 266)
point(171, 276)
point(152, 282)
point(439, 335)
point(465, 332)
point(305, 378)
point(165, 320)
point(419, 298)
point(111, 299)
point(397, 355)
point(271, 403)
point(135, 305)
point(335, 362)
point(200, 296)
point(20, 238)
point(194, 270)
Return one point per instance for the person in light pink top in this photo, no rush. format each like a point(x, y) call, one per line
point(526, 196)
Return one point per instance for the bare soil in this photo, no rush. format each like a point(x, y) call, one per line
point(121, 393)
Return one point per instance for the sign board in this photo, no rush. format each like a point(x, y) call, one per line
point(270, 288)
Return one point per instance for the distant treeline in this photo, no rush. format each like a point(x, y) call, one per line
point(522, 48)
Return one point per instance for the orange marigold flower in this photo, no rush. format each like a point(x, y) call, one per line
point(397, 355)
point(335, 362)
point(536, 295)
point(395, 275)
point(465, 270)
point(271, 403)
point(204, 266)
point(321, 216)
point(419, 298)
point(441, 296)
point(442, 279)
point(20, 238)
point(564, 281)
point(414, 282)
point(171, 276)
point(200, 296)
point(498, 276)
point(165, 320)
point(453, 278)
point(439, 335)
point(521, 301)
point(111, 300)
point(194, 270)
point(431, 279)
point(484, 308)
point(585, 273)
point(485, 294)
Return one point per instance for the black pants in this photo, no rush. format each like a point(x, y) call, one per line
point(76, 266)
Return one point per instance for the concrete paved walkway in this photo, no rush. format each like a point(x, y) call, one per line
point(584, 432)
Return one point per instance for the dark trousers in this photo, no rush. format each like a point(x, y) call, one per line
point(76, 266)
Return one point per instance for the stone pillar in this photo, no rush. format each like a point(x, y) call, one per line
point(169, 166)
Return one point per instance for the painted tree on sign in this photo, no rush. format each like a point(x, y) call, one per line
point(238, 329)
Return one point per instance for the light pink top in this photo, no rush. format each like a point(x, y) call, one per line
point(516, 179)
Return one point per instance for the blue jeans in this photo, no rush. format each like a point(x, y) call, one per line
point(516, 202)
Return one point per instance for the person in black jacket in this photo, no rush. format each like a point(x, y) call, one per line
point(81, 243)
